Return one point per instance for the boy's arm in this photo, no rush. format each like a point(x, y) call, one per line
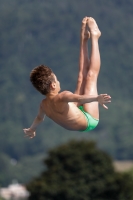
point(82, 99)
point(31, 132)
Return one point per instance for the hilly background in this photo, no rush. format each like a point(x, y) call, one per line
point(47, 32)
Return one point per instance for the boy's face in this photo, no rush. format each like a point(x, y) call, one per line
point(57, 83)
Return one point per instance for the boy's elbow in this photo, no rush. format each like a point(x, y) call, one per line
point(40, 119)
point(79, 99)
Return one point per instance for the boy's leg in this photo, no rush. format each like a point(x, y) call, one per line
point(83, 57)
point(93, 71)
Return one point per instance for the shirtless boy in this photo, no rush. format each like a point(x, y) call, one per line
point(78, 111)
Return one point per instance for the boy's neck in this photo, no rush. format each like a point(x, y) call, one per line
point(51, 94)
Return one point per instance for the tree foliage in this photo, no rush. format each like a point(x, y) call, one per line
point(79, 170)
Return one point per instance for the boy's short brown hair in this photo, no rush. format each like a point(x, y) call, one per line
point(41, 78)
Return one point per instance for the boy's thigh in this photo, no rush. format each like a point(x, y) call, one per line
point(93, 107)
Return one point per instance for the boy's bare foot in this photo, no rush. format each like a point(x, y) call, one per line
point(94, 30)
point(85, 34)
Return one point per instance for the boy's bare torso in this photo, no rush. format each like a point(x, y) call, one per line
point(65, 114)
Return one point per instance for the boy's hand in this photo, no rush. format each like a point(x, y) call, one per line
point(29, 132)
point(104, 98)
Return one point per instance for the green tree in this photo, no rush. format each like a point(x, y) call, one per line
point(78, 170)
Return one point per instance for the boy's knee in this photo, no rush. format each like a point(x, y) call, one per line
point(80, 78)
point(91, 75)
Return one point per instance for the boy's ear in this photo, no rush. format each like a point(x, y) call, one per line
point(53, 85)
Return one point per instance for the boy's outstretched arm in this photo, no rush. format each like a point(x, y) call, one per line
point(31, 132)
point(82, 99)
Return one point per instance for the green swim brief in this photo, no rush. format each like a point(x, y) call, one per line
point(92, 123)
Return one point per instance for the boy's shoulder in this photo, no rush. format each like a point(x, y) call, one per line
point(65, 92)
